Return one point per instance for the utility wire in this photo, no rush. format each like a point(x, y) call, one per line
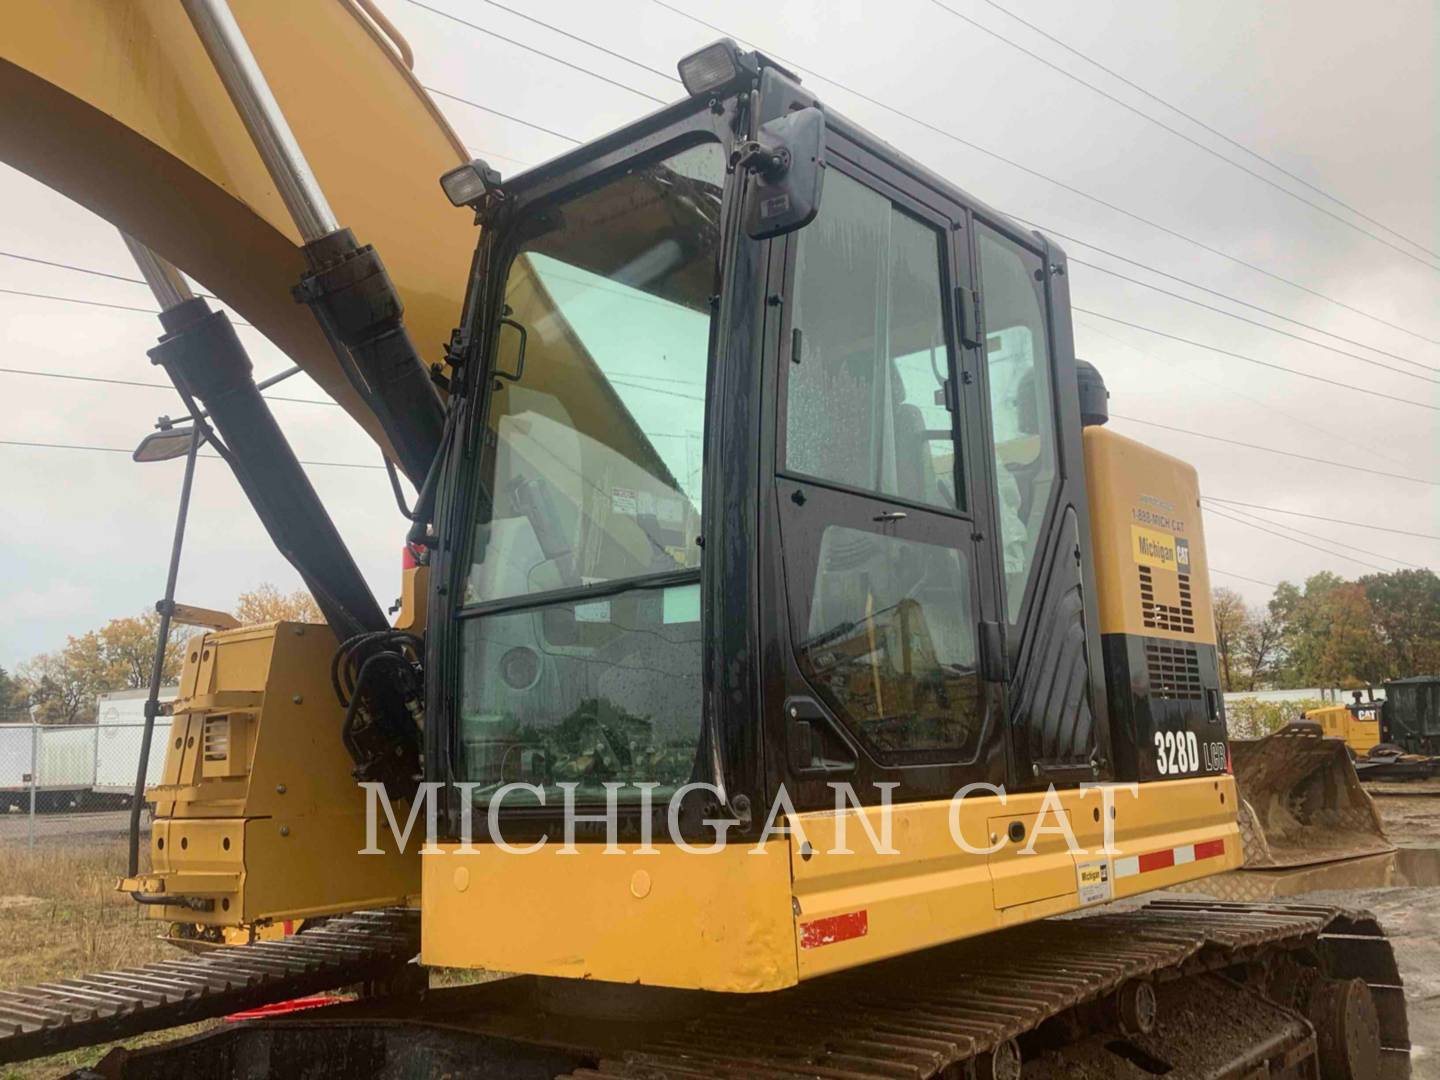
point(540, 52)
point(1253, 360)
point(1302, 543)
point(1242, 577)
point(553, 29)
point(1212, 130)
point(97, 303)
point(1273, 450)
point(944, 133)
point(1213, 292)
point(1348, 522)
point(146, 385)
point(1326, 539)
point(1305, 423)
point(504, 116)
point(1192, 140)
point(1262, 326)
point(122, 450)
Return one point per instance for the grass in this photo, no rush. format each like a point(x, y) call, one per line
point(61, 916)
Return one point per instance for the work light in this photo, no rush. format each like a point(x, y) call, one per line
point(715, 67)
point(164, 445)
point(467, 184)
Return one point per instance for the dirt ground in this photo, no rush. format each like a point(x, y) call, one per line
point(1402, 890)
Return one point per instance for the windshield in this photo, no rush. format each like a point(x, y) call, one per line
point(581, 646)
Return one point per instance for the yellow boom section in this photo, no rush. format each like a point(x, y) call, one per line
point(115, 104)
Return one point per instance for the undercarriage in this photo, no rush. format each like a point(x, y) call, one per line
point(1178, 988)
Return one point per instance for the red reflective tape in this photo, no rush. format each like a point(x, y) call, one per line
point(827, 931)
point(1157, 860)
point(1209, 849)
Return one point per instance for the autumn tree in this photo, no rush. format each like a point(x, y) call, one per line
point(1330, 635)
point(266, 603)
point(62, 686)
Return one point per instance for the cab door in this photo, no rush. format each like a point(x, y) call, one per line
point(884, 584)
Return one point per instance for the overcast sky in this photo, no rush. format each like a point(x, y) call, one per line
point(1346, 103)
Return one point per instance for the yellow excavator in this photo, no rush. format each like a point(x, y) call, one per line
point(785, 637)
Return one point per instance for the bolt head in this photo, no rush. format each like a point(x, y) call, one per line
point(284, 830)
point(279, 789)
point(298, 698)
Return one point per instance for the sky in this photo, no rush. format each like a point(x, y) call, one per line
point(1347, 107)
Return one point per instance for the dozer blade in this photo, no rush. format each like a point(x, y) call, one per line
point(1301, 801)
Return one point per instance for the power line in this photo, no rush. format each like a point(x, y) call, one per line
point(145, 385)
point(1325, 539)
point(1302, 543)
point(1262, 326)
point(1348, 522)
point(122, 450)
point(1306, 423)
point(1206, 289)
point(1191, 140)
point(1051, 180)
point(555, 30)
point(1213, 131)
point(1253, 360)
point(1242, 577)
point(1273, 450)
point(502, 115)
point(98, 303)
point(540, 52)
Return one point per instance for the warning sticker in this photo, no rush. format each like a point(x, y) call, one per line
point(1094, 881)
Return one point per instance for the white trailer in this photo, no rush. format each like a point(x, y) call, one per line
point(57, 762)
point(120, 731)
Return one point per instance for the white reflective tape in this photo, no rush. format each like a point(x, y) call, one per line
point(1127, 867)
point(1185, 853)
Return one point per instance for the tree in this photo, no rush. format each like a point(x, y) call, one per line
point(266, 603)
point(61, 686)
point(14, 705)
point(1259, 648)
point(1406, 608)
point(1329, 634)
point(1231, 618)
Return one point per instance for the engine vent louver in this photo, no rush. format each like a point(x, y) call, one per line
point(1174, 671)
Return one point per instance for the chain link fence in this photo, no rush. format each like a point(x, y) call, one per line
point(52, 776)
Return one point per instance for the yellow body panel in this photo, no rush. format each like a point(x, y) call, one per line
point(258, 812)
point(1340, 723)
point(742, 921)
point(115, 104)
point(1148, 539)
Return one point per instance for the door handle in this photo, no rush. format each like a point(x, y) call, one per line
point(892, 515)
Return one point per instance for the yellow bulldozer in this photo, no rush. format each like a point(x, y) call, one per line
point(786, 639)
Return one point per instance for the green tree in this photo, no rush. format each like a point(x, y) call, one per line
point(1328, 634)
point(1406, 607)
point(14, 703)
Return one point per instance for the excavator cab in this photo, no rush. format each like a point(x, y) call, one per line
point(768, 483)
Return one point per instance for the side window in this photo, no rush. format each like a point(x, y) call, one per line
point(890, 641)
point(865, 404)
point(1017, 352)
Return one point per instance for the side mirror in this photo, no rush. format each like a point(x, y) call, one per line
point(788, 163)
